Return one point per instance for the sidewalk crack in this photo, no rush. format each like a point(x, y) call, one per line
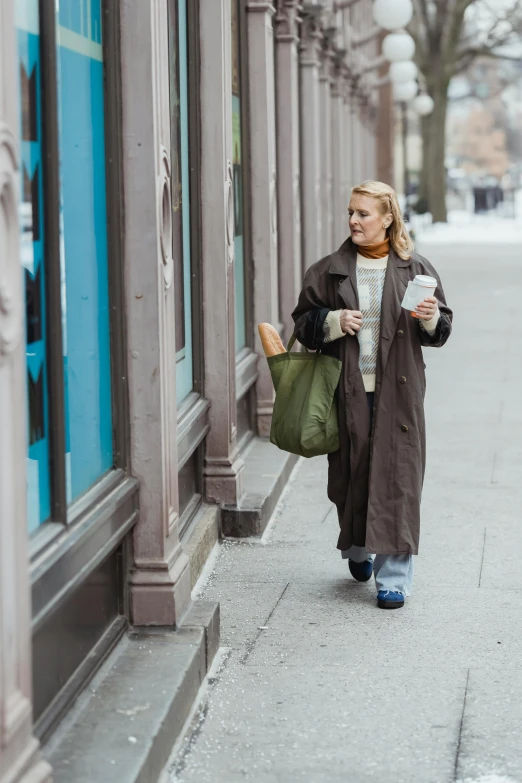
point(244, 658)
point(323, 520)
point(493, 469)
point(459, 740)
point(483, 553)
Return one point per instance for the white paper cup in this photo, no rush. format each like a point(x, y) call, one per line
point(418, 289)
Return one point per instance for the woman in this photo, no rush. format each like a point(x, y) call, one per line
point(350, 307)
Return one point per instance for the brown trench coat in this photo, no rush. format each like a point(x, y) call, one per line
point(376, 482)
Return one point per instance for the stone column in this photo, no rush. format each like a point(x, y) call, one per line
point(263, 191)
point(223, 466)
point(384, 130)
point(310, 50)
point(19, 757)
point(340, 154)
point(288, 161)
point(365, 172)
point(160, 580)
point(372, 149)
point(356, 146)
point(350, 140)
point(325, 129)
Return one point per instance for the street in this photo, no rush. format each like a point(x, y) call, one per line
point(320, 685)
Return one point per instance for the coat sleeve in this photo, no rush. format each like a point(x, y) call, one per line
point(311, 312)
point(444, 325)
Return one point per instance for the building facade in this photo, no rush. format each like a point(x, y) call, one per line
point(169, 169)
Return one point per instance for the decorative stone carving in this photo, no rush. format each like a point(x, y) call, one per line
point(286, 22)
point(229, 201)
point(11, 315)
point(165, 218)
point(311, 38)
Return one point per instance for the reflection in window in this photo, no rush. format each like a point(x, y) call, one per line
point(85, 284)
point(180, 178)
point(32, 259)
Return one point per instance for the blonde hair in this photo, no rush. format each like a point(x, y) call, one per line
point(397, 232)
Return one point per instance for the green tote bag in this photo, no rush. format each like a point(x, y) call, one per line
point(304, 421)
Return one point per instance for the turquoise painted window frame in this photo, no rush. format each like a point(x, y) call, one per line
point(34, 264)
point(86, 329)
point(185, 356)
point(70, 391)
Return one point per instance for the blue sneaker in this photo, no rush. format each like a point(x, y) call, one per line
point(361, 571)
point(386, 599)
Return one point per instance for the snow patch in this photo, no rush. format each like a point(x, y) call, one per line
point(467, 228)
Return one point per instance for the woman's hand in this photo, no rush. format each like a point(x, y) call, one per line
point(427, 309)
point(351, 321)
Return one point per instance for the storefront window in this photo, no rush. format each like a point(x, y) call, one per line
point(84, 262)
point(180, 174)
point(239, 258)
point(33, 261)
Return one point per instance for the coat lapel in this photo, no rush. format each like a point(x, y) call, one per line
point(344, 263)
point(395, 284)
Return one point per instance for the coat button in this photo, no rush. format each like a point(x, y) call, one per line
point(400, 333)
point(402, 379)
point(404, 428)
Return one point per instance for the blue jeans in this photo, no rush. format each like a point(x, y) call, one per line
point(392, 572)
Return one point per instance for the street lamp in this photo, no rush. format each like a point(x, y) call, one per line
point(423, 104)
point(405, 91)
point(397, 47)
point(401, 72)
point(392, 14)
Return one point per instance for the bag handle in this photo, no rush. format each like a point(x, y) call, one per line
point(291, 344)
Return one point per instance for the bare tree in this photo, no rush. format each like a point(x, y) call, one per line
point(450, 35)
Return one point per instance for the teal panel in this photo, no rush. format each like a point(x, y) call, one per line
point(85, 263)
point(34, 263)
point(184, 358)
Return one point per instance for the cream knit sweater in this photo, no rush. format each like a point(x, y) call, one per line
point(371, 273)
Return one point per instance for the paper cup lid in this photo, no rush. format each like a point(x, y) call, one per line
point(426, 281)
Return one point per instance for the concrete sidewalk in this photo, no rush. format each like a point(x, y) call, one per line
point(321, 685)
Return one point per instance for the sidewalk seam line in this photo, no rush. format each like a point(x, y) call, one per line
point(252, 644)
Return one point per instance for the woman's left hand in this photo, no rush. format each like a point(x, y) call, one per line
point(427, 309)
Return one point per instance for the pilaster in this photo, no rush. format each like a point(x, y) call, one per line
point(353, 108)
point(286, 26)
point(384, 129)
point(263, 190)
point(310, 61)
point(160, 580)
point(325, 103)
point(223, 466)
point(341, 155)
point(350, 162)
point(19, 757)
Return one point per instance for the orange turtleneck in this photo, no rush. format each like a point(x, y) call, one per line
point(380, 250)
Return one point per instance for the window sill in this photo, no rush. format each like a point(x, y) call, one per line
point(192, 426)
point(246, 371)
point(99, 522)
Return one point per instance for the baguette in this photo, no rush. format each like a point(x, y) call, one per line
point(272, 344)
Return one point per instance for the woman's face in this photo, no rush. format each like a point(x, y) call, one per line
point(367, 223)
